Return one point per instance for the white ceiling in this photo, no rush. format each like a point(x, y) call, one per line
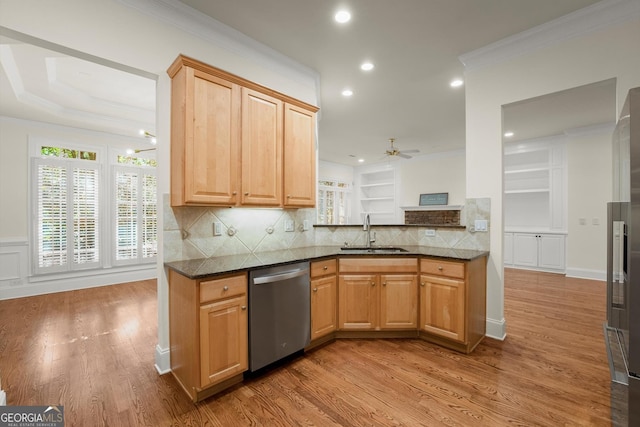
point(414, 44)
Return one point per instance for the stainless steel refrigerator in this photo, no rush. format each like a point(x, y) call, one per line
point(622, 330)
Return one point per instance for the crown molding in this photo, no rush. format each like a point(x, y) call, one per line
point(592, 18)
point(211, 30)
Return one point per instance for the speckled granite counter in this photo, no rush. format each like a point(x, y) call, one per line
point(199, 268)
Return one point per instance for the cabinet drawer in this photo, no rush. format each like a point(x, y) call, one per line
point(323, 268)
point(442, 268)
point(223, 287)
point(378, 265)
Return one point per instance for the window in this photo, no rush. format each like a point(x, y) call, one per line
point(70, 198)
point(135, 216)
point(333, 202)
point(68, 214)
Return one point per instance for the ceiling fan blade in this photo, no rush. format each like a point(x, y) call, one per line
point(410, 151)
point(404, 156)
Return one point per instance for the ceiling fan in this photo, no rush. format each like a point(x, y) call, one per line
point(393, 151)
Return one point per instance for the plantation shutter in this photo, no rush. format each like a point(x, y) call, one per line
point(67, 225)
point(136, 220)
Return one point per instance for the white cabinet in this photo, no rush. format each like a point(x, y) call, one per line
point(377, 194)
point(537, 251)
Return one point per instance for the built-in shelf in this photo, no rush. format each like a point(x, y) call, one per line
point(531, 190)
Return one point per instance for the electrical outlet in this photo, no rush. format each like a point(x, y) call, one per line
point(480, 224)
point(217, 228)
point(289, 225)
point(430, 233)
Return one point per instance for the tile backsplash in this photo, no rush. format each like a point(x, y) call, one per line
point(189, 231)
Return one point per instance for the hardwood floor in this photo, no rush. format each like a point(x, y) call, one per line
point(92, 351)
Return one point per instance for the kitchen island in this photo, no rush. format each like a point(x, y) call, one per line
point(436, 294)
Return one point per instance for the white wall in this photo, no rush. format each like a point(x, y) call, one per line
point(581, 59)
point(336, 171)
point(435, 173)
point(590, 186)
point(148, 36)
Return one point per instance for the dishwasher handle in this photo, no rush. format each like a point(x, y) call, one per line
point(263, 280)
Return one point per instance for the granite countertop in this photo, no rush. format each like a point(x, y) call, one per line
point(199, 268)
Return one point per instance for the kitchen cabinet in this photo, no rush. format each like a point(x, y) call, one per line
point(299, 157)
point(205, 147)
point(539, 251)
point(453, 302)
point(323, 298)
point(230, 139)
point(262, 124)
point(377, 294)
point(208, 321)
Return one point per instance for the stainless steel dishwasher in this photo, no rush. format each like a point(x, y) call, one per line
point(279, 313)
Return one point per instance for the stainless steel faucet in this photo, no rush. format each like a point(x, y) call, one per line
point(367, 227)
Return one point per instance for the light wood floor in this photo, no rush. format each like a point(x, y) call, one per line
point(93, 352)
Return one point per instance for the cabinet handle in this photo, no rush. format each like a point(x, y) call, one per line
point(421, 283)
point(315, 289)
point(244, 307)
point(325, 268)
point(226, 288)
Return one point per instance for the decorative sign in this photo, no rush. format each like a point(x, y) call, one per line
point(434, 199)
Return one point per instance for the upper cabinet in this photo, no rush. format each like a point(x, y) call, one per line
point(236, 143)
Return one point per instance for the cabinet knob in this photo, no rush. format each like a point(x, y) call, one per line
point(246, 194)
point(315, 289)
point(325, 267)
point(384, 283)
point(226, 288)
point(373, 283)
point(440, 267)
point(288, 196)
point(234, 193)
point(244, 307)
point(421, 283)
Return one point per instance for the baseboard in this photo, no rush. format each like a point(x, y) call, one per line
point(163, 360)
point(88, 280)
point(496, 329)
point(583, 273)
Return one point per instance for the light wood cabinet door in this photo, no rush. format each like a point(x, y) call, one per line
point(323, 306)
point(299, 157)
point(223, 339)
point(398, 301)
point(358, 307)
point(442, 302)
point(205, 147)
point(262, 136)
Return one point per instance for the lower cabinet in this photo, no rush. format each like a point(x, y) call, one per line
point(208, 331)
point(323, 298)
point(536, 251)
point(453, 302)
point(385, 297)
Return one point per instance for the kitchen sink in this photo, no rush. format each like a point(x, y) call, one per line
point(373, 249)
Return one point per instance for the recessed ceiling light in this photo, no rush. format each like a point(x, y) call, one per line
point(456, 83)
point(366, 66)
point(342, 16)
point(360, 160)
point(508, 134)
point(347, 92)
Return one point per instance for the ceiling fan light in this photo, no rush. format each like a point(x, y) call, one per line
point(456, 83)
point(347, 92)
point(366, 66)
